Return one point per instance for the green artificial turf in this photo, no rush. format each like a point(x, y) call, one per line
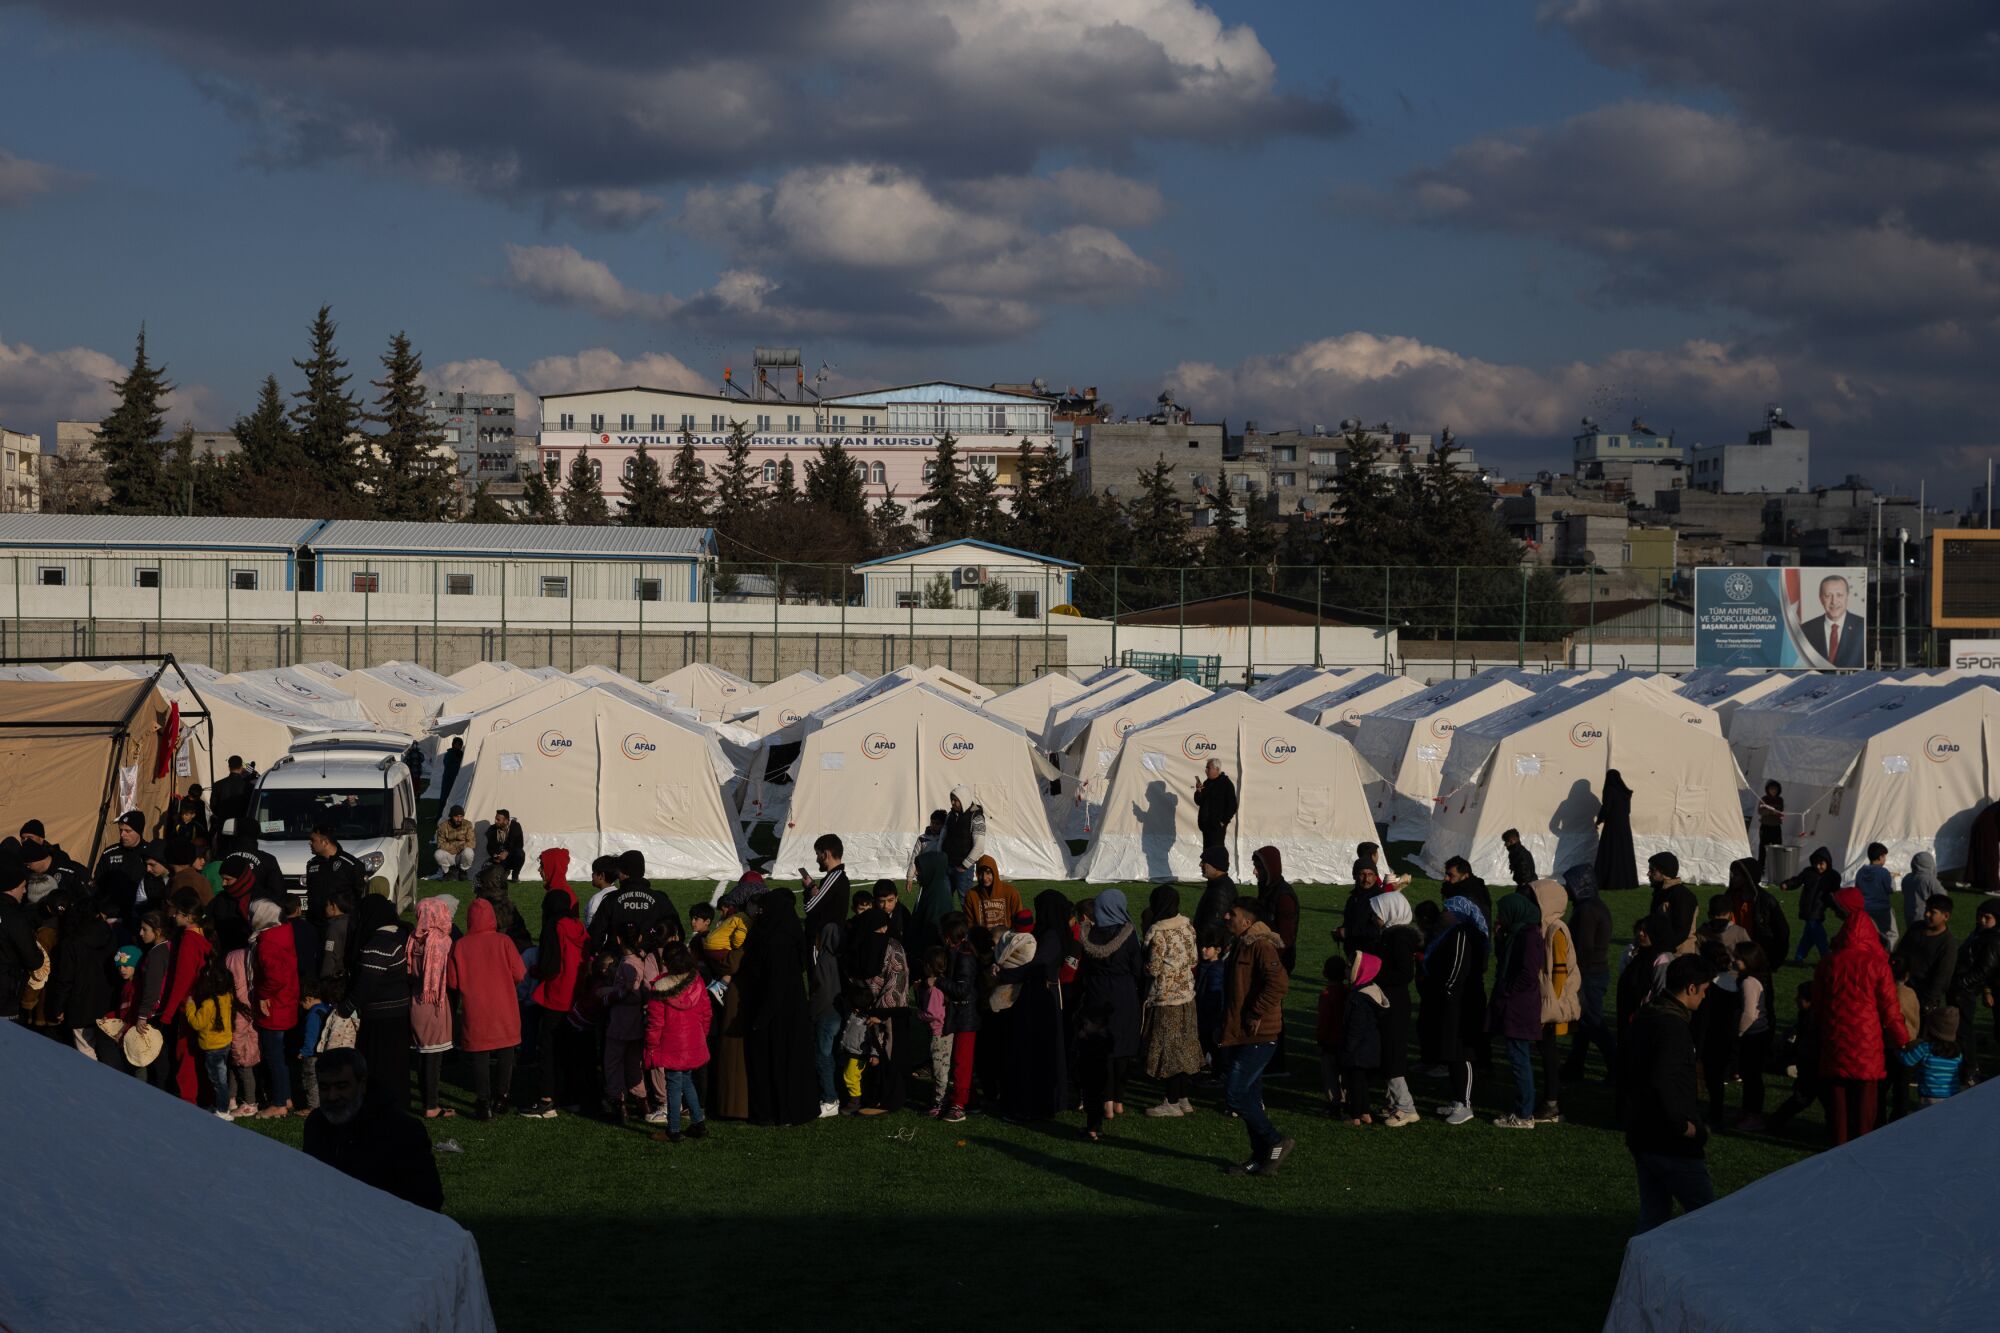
point(904, 1222)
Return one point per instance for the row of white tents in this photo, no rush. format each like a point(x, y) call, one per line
point(681, 767)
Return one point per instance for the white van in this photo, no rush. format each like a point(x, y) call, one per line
point(355, 781)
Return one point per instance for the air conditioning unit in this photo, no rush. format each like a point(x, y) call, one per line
point(968, 576)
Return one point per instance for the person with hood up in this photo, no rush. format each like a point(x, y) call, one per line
point(274, 991)
point(678, 1014)
point(1562, 987)
point(964, 844)
point(1454, 974)
point(1035, 1081)
point(430, 953)
point(991, 902)
point(777, 1042)
point(1173, 1036)
point(1919, 887)
point(1590, 929)
point(1855, 997)
point(1398, 944)
point(1361, 1040)
point(559, 977)
point(1109, 983)
point(484, 971)
point(1817, 884)
point(380, 993)
point(1616, 865)
point(935, 902)
point(1973, 978)
point(1515, 1010)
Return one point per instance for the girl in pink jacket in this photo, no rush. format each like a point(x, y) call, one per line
point(677, 1019)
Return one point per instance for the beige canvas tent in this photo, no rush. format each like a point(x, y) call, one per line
point(601, 773)
point(77, 754)
point(1909, 768)
point(476, 730)
point(1342, 709)
point(1090, 744)
point(872, 773)
point(1539, 765)
point(710, 691)
point(1028, 706)
point(1406, 743)
point(1298, 789)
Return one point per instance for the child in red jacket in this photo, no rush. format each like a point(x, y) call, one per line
point(676, 1043)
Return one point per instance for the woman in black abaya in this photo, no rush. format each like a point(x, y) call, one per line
point(1616, 865)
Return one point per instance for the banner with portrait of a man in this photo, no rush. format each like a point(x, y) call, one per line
point(1778, 618)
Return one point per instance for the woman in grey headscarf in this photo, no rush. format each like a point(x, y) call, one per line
point(1918, 887)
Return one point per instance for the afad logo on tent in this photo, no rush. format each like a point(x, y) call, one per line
point(1199, 747)
point(553, 743)
point(1940, 749)
point(954, 746)
point(1585, 734)
point(875, 745)
point(636, 746)
point(1277, 750)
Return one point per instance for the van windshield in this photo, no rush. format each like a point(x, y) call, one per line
point(289, 814)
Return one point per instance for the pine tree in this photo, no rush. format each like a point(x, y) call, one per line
point(737, 495)
point(942, 510)
point(486, 506)
point(646, 502)
point(583, 494)
point(687, 489)
point(413, 475)
point(983, 518)
point(538, 496)
point(128, 440)
point(328, 416)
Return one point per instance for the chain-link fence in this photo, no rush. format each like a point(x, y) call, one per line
point(1002, 622)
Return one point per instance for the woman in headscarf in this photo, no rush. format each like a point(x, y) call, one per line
point(1109, 982)
point(275, 989)
point(1035, 1082)
point(1397, 944)
point(1454, 982)
point(1616, 864)
point(878, 980)
point(1918, 887)
point(1172, 1048)
point(1854, 996)
point(1515, 1010)
point(559, 1048)
point(380, 993)
point(724, 950)
point(777, 1040)
point(430, 1000)
point(935, 901)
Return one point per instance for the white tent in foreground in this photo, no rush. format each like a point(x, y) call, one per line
point(1406, 744)
point(82, 1241)
point(1539, 765)
point(601, 773)
point(874, 772)
point(1298, 788)
point(1703, 1271)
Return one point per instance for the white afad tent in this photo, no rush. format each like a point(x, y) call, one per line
point(601, 773)
point(1298, 788)
point(1908, 768)
point(873, 773)
point(83, 1230)
point(1717, 1268)
point(1028, 706)
point(1406, 744)
point(710, 691)
point(1539, 766)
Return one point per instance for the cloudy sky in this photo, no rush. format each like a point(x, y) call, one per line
point(1493, 215)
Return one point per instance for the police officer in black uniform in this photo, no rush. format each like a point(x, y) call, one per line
point(121, 868)
point(330, 868)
